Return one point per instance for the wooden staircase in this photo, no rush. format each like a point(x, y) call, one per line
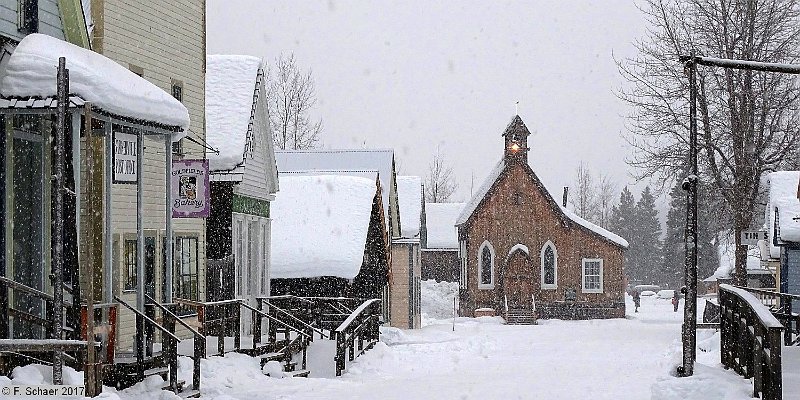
point(520, 316)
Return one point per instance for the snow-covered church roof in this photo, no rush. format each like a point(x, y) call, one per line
point(409, 199)
point(31, 72)
point(487, 185)
point(320, 225)
point(440, 222)
point(783, 191)
point(230, 86)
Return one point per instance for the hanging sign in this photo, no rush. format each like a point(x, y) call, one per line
point(124, 157)
point(190, 189)
point(751, 238)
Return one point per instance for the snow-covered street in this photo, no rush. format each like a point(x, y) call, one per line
point(484, 359)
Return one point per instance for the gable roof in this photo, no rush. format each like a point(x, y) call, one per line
point(783, 191)
point(409, 199)
point(566, 215)
point(230, 89)
point(381, 160)
point(440, 221)
point(329, 236)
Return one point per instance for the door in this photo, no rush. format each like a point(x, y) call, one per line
point(518, 281)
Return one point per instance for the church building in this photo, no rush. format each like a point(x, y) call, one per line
point(523, 256)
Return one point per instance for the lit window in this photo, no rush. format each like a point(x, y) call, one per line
point(592, 275)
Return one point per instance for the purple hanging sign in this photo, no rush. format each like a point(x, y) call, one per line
point(190, 189)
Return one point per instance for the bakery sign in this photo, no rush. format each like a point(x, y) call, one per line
point(190, 189)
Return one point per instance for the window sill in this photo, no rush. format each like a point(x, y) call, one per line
point(592, 291)
point(549, 287)
point(486, 287)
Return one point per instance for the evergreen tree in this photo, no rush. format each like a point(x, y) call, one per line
point(647, 239)
point(623, 223)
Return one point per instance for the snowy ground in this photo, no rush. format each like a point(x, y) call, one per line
point(483, 359)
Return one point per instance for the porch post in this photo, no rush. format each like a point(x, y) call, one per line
point(168, 264)
point(108, 268)
point(139, 221)
point(62, 80)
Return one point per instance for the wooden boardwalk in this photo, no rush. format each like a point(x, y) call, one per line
point(791, 371)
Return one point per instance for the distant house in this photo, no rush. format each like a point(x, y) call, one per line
point(244, 178)
point(329, 237)
point(405, 286)
point(440, 259)
point(782, 222)
point(521, 251)
point(353, 162)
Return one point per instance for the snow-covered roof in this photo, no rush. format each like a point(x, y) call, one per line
point(230, 85)
point(495, 173)
point(783, 190)
point(726, 250)
point(440, 221)
point(320, 225)
point(473, 203)
point(595, 228)
point(409, 199)
point(381, 160)
point(31, 72)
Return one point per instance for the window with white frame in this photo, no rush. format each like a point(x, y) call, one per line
point(549, 261)
point(254, 257)
point(264, 252)
point(592, 275)
point(239, 256)
point(463, 260)
point(486, 266)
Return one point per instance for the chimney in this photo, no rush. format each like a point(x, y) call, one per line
point(566, 193)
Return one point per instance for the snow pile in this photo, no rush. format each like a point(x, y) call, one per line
point(783, 190)
point(230, 85)
point(409, 199)
point(320, 226)
point(31, 72)
point(726, 249)
point(437, 299)
point(440, 221)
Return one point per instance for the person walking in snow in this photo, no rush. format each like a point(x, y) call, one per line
point(675, 301)
point(636, 299)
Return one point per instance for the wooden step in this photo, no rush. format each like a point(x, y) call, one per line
point(290, 366)
point(156, 371)
point(271, 357)
point(303, 373)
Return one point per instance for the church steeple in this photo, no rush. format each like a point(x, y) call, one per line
point(516, 141)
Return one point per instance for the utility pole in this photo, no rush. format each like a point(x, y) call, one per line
point(57, 277)
point(689, 328)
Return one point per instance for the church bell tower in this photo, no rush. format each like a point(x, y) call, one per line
point(516, 141)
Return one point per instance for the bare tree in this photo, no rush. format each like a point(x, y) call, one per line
point(584, 200)
point(291, 94)
point(606, 196)
point(748, 120)
point(441, 182)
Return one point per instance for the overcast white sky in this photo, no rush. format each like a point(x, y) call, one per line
point(417, 75)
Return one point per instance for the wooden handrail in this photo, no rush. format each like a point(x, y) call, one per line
point(171, 314)
point(289, 314)
point(146, 318)
point(358, 311)
point(27, 289)
point(271, 318)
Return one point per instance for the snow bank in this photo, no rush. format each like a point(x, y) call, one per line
point(320, 226)
point(437, 299)
point(440, 221)
point(31, 72)
point(230, 85)
point(726, 249)
point(409, 199)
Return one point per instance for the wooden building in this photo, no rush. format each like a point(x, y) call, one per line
point(440, 260)
point(406, 283)
point(244, 179)
point(524, 256)
point(329, 237)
